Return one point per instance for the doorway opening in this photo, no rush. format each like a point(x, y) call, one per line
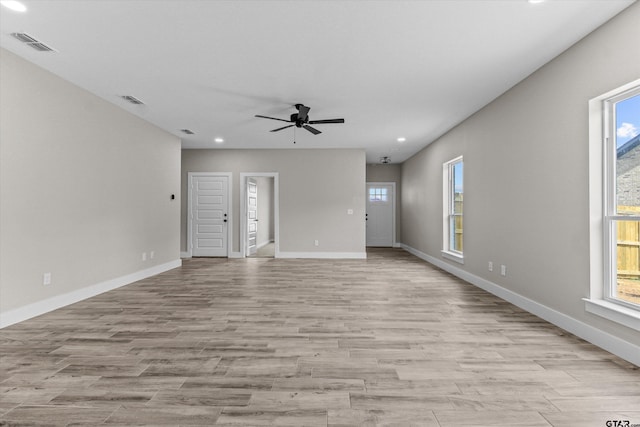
point(260, 215)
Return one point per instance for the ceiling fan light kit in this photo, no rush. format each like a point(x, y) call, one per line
point(301, 120)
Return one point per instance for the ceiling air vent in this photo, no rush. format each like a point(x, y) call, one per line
point(132, 99)
point(187, 131)
point(34, 43)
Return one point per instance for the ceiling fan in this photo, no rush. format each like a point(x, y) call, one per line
point(301, 120)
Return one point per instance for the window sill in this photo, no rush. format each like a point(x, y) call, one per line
point(459, 258)
point(614, 312)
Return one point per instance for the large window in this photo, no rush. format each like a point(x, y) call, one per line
point(622, 198)
point(614, 205)
point(453, 201)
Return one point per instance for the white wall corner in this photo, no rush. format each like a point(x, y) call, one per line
point(604, 340)
point(42, 307)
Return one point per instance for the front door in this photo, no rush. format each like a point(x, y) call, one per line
point(379, 218)
point(209, 228)
point(252, 216)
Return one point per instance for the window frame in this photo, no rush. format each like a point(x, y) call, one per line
point(449, 214)
point(380, 195)
point(603, 210)
point(611, 215)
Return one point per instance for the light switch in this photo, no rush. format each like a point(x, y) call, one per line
point(349, 211)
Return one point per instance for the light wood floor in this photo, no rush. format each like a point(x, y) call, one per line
point(266, 251)
point(385, 341)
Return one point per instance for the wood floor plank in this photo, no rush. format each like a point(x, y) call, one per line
point(164, 415)
point(471, 418)
point(591, 419)
point(389, 340)
point(381, 417)
point(56, 415)
point(273, 417)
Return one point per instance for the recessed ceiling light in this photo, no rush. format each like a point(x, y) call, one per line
point(218, 140)
point(535, 1)
point(14, 5)
point(401, 139)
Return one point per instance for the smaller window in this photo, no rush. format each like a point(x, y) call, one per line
point(378, 194)
point(453, 201)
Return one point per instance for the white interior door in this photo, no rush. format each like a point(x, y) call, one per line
point(252, 216)
point(210, 199)
point(379, 216)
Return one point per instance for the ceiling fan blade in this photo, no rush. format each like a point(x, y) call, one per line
point(303, 111)
point(316, 122)
point(273, 118)
point(283, 127)
point(312, 130)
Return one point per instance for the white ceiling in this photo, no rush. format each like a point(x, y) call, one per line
point(389, 68)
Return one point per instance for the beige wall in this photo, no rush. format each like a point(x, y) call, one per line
point(85, 188)
point(526, 176)
point(317, 187)
point(389, 173)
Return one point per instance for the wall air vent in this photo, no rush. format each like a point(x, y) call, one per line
point(132, 99)
point(187, 131)
point(34, 43)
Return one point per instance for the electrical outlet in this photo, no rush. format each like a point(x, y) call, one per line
point(503, 270)
point(152, 254)
point(144, 256)
point(316, 243)
point(490, 265)
point(46, 279)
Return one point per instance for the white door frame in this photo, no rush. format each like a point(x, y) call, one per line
point(394, 243)
point(191, 175)
point(243, 209)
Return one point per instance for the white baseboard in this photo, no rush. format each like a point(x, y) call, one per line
point(187, 255)
point(604, 340)
point(323, 255)
point(41, 307)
